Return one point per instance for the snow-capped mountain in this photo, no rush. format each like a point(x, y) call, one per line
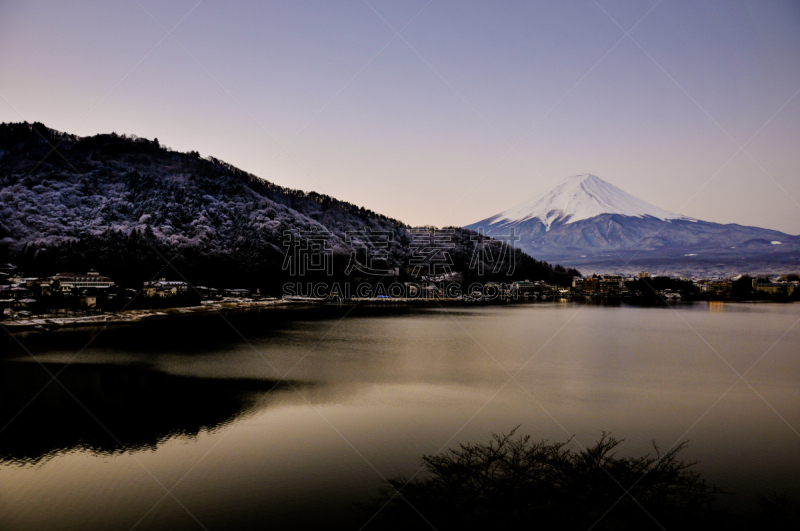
point(589, 223)
point(582, 197)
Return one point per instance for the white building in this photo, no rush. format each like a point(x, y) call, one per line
point(72, 281)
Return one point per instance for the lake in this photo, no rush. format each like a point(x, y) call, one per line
point(288, 417)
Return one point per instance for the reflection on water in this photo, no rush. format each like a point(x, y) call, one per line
point(109, 409)
point(716, 306)
point(193, 334)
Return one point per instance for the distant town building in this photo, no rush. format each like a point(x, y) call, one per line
point(523, 286)
point(775, 288)
point(591, 285)
point(41, 287)
point(611, 285)
point(71, 281)
point(718, 287)
point(577, 285)
point(164, 288)
point(14, 292)
point(207, 293)
point(241, 292)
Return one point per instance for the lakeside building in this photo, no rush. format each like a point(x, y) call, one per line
point(17, 280)
point(603, 285)
point(68, 282)
point(577, 285)
point(14, 292)
point(164, 288)
point(43, 287)
point(718, 287)
point(591, 285)
point(207, 293)
point(523, 287)
point(775, 288)
point(238, 293)
point(611, 285)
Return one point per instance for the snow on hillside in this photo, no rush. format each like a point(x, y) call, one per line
point(581, 197)
point(120, 204)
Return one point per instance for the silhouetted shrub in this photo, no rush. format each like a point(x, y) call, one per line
point(515, 481)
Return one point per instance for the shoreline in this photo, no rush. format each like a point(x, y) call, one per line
point(43, 323)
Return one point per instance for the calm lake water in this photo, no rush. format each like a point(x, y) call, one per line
point(185, 423)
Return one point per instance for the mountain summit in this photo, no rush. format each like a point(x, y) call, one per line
point(581, 197)
point(588, 223)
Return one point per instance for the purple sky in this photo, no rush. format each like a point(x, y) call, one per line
point(473, 108)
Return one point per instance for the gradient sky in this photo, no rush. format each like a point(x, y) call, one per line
point(474, 107)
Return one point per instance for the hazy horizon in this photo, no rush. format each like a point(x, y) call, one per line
point(470, 110)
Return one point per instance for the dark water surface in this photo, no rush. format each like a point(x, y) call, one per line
point(190, 424)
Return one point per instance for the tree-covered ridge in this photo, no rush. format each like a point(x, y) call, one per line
point(116, 182)
point(124, 204)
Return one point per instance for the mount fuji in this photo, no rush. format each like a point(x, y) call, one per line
point(591, 224)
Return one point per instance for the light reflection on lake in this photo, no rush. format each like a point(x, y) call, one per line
point(189, 402)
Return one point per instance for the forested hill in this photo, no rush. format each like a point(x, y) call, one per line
point(123, 204)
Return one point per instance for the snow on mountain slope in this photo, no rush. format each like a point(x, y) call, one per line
point(581, 197)
point(592, 225)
